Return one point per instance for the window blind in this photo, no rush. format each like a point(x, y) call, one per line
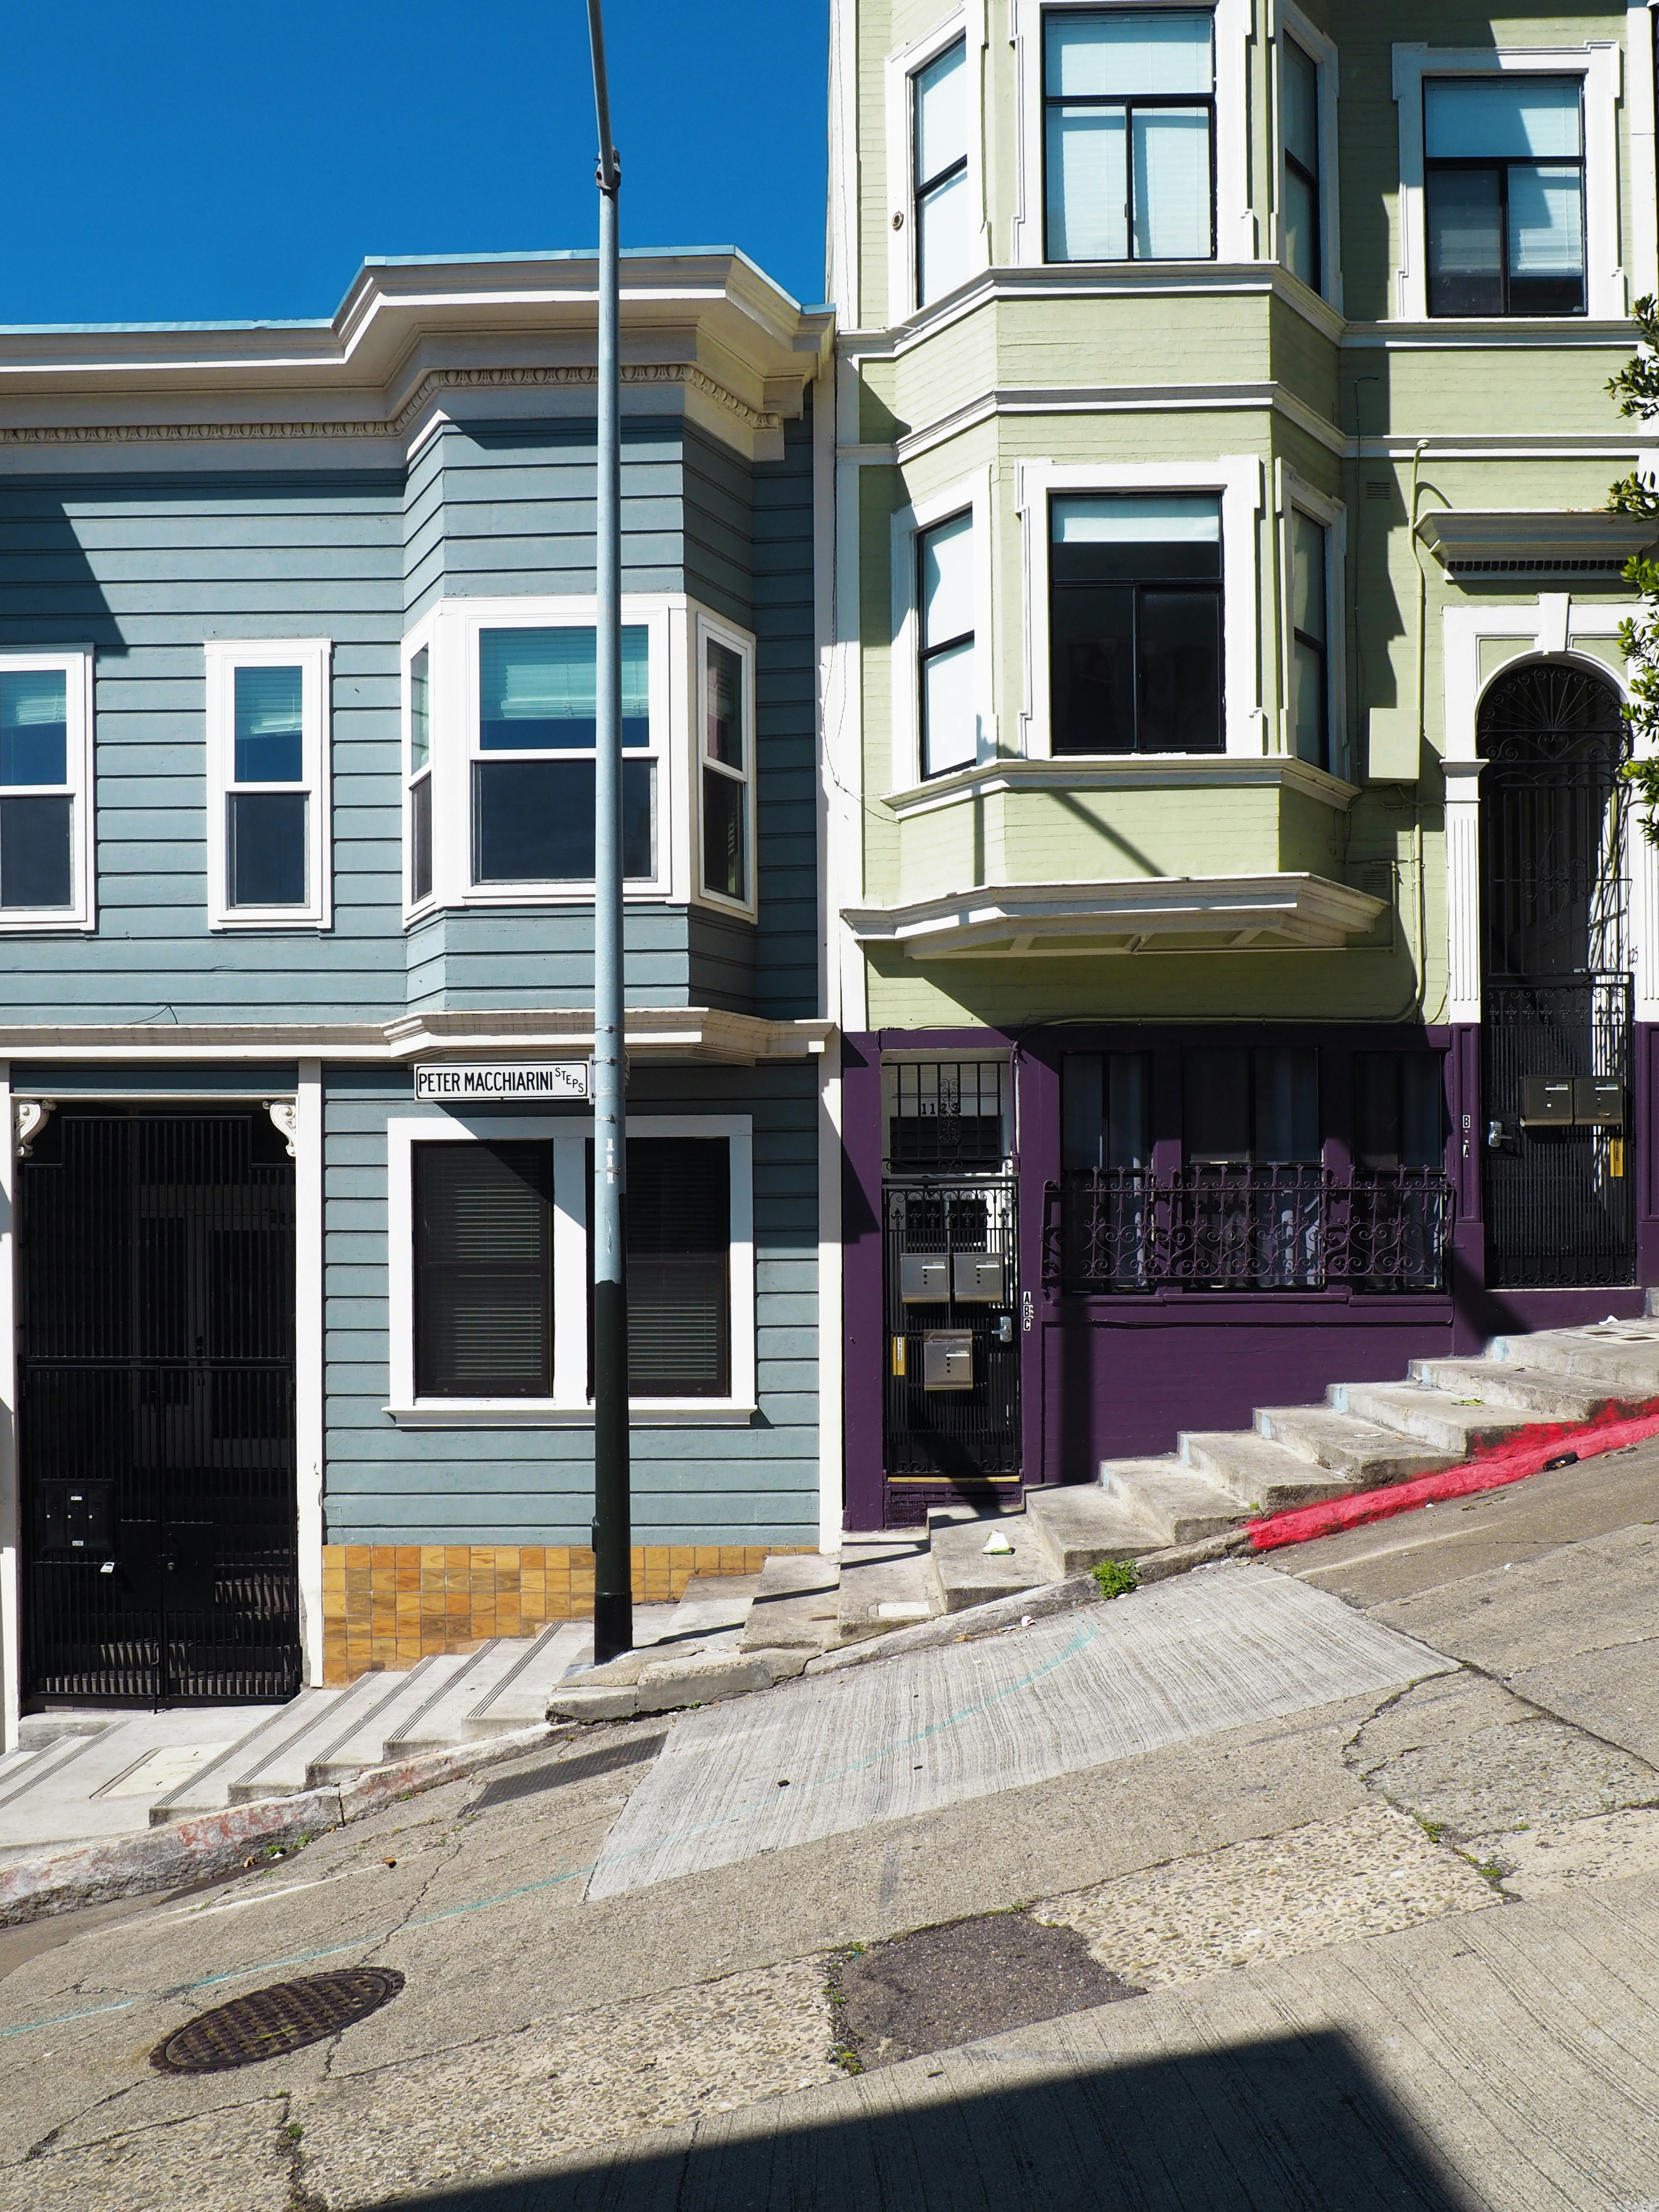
point(678, 1217)
point(483, 1270)
point(538, 689)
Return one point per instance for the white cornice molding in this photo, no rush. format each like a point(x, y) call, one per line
point(1125, 772)
point(1058, 920)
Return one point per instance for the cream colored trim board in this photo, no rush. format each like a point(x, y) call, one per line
point(11, 1537)
point(1124, 772)
point(309, 1361)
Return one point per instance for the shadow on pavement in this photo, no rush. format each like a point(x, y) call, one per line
point(1293, 2125)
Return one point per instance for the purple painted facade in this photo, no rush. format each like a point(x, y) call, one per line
point(1122, 1373)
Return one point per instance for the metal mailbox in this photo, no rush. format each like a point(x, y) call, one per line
point(1547, 1102)
point(75, 1519)
point(1598, 1101)
point(976, 1279)
point(924, 1279)
point(947, 1359)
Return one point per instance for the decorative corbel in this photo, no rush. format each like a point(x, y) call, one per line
point(285, 1119)
point(28, 1117)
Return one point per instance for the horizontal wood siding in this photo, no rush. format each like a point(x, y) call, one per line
point(146, 570)
point(754, 1485)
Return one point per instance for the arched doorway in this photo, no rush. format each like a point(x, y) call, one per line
point(1556, 989)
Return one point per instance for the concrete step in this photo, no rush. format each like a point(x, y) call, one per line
point(963, 1573)
point(504, 1685)
point(362, 1738)
point(1174, 1503)
point(884, 1584)
point(796, 1606)
point(261, 1763)
point(1360, 1454)
point(1261, 1473)
point(1432, 1417)
point(1077, 1525)
point(1533, 1389)
point(1624, 1353)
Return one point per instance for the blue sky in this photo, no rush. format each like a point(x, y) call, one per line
point(194, 161)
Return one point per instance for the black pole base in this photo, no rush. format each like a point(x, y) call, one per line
point(613, 1559)
point(613, 1627)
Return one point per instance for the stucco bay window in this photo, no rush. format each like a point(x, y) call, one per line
point(268, 784)
point(501, 729)
point(45, 794)
point(492, 1269)
point(1134, 635)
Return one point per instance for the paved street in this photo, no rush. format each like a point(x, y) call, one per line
point(1395, 1915)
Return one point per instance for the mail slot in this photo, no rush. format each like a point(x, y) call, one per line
point(976, 1278)
point(1598, 1103)
point(1547, 1103)
point(924, 1279)
point(74, 1519)
point(947, 1359)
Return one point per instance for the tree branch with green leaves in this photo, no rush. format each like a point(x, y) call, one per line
point(1636, 388)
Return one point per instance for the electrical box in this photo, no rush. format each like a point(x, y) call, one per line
point(947, 1359)
point(976, 1279)
point(924, 1279)
point(1598, 1102)
point(1547, 1102)
point(75, 1519)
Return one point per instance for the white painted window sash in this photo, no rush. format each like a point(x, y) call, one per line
point(1599, 62)
point(1322, 52)
point(1236, 479)
point(966, 22)
point(969, 495)
point(569, 1406)
point(1236, 230)
point(313, 658)
point(421, 638)
point(706, 627)
point(1290, 492)
point(76, 665)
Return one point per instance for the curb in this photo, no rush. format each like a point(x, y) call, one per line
point(988, 1619)
point(211, 1843)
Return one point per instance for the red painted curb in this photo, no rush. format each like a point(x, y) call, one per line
point(1510, 1463)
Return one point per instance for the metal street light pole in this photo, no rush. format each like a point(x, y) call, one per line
point(613, 1599)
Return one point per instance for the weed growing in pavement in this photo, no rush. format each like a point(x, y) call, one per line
point(1434, 1830)
point(842, 2051)
point(1116, 1577)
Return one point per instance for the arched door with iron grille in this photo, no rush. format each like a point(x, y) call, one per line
point(1556, 990)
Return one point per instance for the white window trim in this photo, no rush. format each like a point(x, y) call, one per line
point(705, 627)
point(966, 22)
point(81, 912)
point(1322, 52)
point(1290, 492)
point(969, 495)
point(452, 703)
point(1555, 627)
point(1642, 228)
point(568, 1406)
point(313, 656)
point(421, 638)
point(1237, 479)
point(1235, 231)
point(1598, 62)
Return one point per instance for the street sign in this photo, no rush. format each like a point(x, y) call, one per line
point(490, 1082)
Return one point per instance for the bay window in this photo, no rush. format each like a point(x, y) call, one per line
point(727, 766)
point(419, 815)
point(1310, 681)
point(947, 682)
point(1129, 134)
point(1135, 623)
point(943, 219)
point(1503, 188)
point(1299, 108)
point(268, 784)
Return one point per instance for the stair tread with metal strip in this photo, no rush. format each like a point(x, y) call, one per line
point(252, 1765)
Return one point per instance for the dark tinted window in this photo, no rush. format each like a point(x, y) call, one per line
point(483, 1270)
point(1135, 624)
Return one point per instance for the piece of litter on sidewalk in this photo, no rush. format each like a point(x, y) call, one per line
point(903, 1608)
point(997, 1544)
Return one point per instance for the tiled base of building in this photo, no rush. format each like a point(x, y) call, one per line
point(388, 1605)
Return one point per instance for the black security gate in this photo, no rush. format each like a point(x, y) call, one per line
point(953, 1351)
point(1559, 1181)
point(155, 1407)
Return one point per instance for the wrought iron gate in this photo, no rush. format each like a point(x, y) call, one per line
point(952, 1353)
point(1559, 1180)
point(155, 1407)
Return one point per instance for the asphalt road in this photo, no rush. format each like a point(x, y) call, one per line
point(1397, 1947)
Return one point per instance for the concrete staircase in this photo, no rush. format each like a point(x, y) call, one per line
point(1364, 1437)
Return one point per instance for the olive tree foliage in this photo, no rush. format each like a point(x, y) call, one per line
point(1636, 387)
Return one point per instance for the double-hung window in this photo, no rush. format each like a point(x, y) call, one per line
point(727, 768)
point(1310, 679)
point(1134, 622)
point(946, 682)
point(1504, 187)
point(268, 797)
point(533, 773)
point(1304, 247)
point(420, 777)
point(1129, 134)
point(943, 225)
point(46, 843)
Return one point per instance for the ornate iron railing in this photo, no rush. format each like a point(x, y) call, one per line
point(1247, 1228)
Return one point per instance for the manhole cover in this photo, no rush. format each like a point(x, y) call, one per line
point(270, 2022)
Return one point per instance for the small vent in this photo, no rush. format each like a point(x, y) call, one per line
point(1544, 567)
point(1379, 487)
